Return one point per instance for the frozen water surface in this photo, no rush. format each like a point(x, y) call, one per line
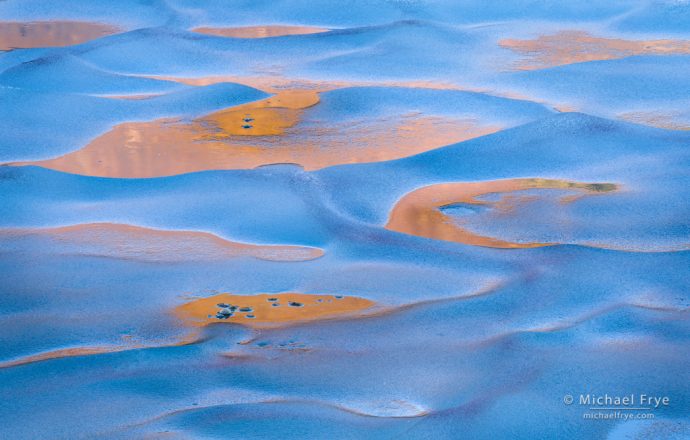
point(378, 219)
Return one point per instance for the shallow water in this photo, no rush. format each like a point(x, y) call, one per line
point(296, 219)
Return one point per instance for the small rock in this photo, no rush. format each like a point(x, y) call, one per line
point(295, 304)
point(225, 311)
point(245, 309)
point(223, 305)
point(272, 299)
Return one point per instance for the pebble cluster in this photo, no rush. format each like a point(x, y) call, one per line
point(229, 310)
point(247, 121)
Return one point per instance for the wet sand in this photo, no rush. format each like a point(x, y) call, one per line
point(64, 353)
point(24, 35)
point(273, 83)
point(568, 47)
point(260, 133)
point(268, 117)
point(666, 120)
point(190, 338)
point(259, 31)
point(419, 212)
point(270, 310)
point(135, 242)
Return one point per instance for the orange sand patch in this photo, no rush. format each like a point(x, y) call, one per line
point(569, 47)
point(202, 311)
point(20, 35)
point(268, 117)
point(127, 241)
point(259, 31)
point(259, 133)
point(667, 120)
point(418, 212)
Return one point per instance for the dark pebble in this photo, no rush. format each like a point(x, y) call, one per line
point(295, 304)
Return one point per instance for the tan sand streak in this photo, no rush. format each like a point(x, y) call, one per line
point(259, 31)
point(128, 241)
point(22, 35)
point(569, 47)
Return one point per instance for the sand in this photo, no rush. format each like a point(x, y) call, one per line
point(568, 47)
point(270, 310)
point(148, 244)
point(22, 35)
point(418, 212)
point(260, 133)
point(259, 31)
